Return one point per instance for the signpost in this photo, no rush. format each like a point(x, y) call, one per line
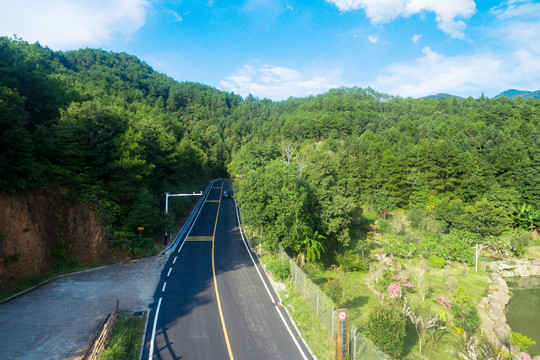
point(342, 334)
point(167, 195)
point(141, 229)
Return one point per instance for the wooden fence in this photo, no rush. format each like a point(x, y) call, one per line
point(101, 339)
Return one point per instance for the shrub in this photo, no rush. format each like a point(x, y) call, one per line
point(519, 240)
point(386, 328)
point(400, 247)
point(350, 261)
point(384, 226)
point(280, 268)
point(465, 313)
point(416, 217)
point(521, 342)
point(334, 290)
point(437, 262)
point(449, 248)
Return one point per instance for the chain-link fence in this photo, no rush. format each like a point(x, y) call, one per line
point(363, 348)
point(323, 306)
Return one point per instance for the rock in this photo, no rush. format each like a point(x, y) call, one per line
point(505, 266)
point(522, 270)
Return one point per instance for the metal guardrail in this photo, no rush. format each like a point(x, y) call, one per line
point(189, 222)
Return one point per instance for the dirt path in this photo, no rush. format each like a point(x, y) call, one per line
point(57, 320)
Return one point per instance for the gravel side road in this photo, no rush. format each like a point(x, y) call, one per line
point(58, 320)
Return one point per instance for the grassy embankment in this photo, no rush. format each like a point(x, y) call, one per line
point(359, 298)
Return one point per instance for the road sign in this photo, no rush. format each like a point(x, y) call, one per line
point(140, 228)
point(342, 334)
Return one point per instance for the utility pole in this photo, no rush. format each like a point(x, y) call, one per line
point(167, 195)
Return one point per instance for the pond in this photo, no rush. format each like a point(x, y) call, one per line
point(523, 310)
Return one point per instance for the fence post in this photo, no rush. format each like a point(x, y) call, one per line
point(354, 344)
point(318, 294)
point(333, 321)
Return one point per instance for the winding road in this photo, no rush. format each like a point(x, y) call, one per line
point(214, 300)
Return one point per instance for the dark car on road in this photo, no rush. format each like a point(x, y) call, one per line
point(226, 194)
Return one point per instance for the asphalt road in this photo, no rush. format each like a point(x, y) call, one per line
point(214, 301)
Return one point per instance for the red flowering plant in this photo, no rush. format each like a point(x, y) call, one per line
point(400, 282)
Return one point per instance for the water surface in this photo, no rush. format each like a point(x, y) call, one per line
point(523, 310)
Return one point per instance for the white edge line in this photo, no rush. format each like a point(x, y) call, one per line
point(251, 256)
point(151, 352)
point(266, 287)
point(291, 333)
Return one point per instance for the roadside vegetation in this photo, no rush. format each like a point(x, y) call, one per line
point(125, 342)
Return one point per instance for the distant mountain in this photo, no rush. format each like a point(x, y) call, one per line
point(442, 96)
point(513, 93)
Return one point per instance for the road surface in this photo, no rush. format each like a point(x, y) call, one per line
point(214, 301)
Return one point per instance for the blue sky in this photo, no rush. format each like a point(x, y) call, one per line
point(282, 48)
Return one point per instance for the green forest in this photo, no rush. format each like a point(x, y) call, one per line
point(319, 176)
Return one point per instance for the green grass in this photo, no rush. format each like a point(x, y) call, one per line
point(125, 342)
point(533, 251)
point(316, 335)
point(359, 300)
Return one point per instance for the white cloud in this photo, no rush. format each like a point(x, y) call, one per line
point(65, 24)
point(517, 8)
point(373, 39)
point(434, 73)
point(175, 15)
point(446, 11)
point(275, 82)
point(511, 64)
point(416, 38)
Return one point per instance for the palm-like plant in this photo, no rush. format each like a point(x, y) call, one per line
point(313, 246)
point(526, 217)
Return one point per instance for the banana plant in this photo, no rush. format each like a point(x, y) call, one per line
point(313, 246)
point(526, 217)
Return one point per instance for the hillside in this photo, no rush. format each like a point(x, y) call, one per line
point(513, 94)
point(442, 96)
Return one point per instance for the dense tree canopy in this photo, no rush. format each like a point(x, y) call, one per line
point(120, 134)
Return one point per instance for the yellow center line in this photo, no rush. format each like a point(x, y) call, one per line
point(199, 238)
point(231, 357)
